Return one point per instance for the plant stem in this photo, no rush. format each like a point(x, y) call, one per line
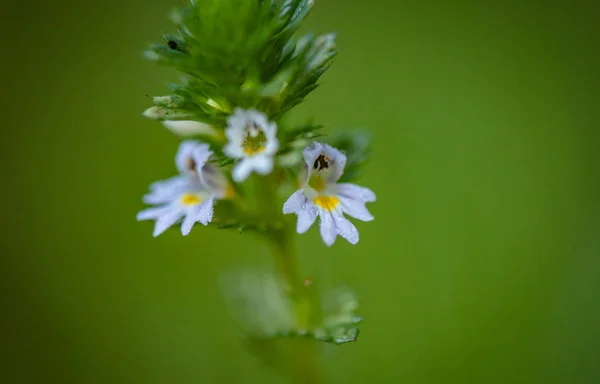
point(304, 364)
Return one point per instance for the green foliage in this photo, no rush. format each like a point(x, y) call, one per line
point(261, 306)
point(239, 53)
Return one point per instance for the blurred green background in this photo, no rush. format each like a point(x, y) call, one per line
point(482, 265)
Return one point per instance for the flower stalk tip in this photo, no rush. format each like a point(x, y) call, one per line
point(242, 165)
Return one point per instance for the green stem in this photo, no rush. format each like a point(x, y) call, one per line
point(304, 364)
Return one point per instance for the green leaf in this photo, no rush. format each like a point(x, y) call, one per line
point(261, 304)
point(170, 102)
point(161, 113)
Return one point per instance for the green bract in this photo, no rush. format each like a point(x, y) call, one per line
point(239, 53)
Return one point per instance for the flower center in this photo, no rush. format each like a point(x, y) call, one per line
point(189, 199)
point(255, 139)
point(318, 178)
point(317, 182)
point(191, 164)
point(322, 162)
point(326, 202)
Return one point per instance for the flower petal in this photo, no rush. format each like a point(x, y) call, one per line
point(215, 180)
point(165, 191)
point(167, 183)
point(306, 217)
point(189, 127)
point(345, 228)
point(205, 212)
point(233, 149)
point(189, 220)
point(327, 227)
point(263, 165)
point(167, 220)
point(183, 158)
point(257, 117)
point(153, 213)
point(355, 192)
point(337, 163)
point(311, 152)
point(356, 208)
point(271, 146)
point(242, 170)
point(235, 125)
point(294, 203)
point(200, 154)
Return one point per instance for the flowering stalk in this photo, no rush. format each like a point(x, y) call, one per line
point(241, 166)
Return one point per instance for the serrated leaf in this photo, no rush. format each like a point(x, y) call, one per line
point(170, 102)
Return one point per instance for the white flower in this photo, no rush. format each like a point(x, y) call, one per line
point(253, 140)
point(321, 195)
point(189, 128)
point(190, 196)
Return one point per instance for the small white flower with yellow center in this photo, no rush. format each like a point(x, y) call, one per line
point(253, 140)
point(190, 196)
point(321, 195)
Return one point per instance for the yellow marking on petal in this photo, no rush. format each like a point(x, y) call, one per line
point(189, 199)
point(254, 141)
point(253, 151)
point(326, 202)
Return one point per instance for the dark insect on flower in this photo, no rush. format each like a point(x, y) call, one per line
point(173, 45)
point(322, 162)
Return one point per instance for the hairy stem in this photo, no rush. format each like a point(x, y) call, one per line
point(303, 364)
point(304, 367)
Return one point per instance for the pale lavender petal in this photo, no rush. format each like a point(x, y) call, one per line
point(355, 192)
point(337, 163)
point(311, 152)
point(189, 128)
point(263, 165)
point(153, 213)
point(294, 202)
point(205, 211)
point(168, 190)
point(167, 220)
point(183, 158)
point(168, 183)
point(271, 146)
point(234, 148)
point(356, 209)
point(212, 177)
point(242, 170)
point(258, 117)
point(327, 227)
point(236, 124)
point(189, 220)
point(345, 228)
point(306, 217)
point(201, 154)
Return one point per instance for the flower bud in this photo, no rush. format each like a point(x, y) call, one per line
point(189, 128)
